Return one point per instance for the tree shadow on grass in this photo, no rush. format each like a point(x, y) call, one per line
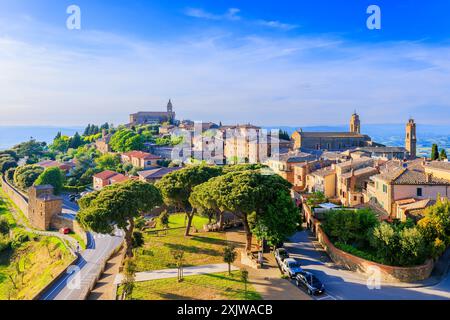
point(227, 291)
point(6, 257)
point(210, 240)
point(193, 249)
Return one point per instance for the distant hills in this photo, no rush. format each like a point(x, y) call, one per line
point(388, 134)
point(391, 134)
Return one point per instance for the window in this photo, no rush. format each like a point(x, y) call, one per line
point(419, 192)
point(384, 188)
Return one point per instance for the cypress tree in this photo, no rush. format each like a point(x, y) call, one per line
point(434, 152)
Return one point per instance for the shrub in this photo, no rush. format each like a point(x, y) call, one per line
point(137, 240)
point(4, 226)
point(53, 177)
point(19, 238)
point(357, 252)
point(347, 226)
point(5, 243)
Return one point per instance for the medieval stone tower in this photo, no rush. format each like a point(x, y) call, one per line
point(355, 123)
point(411, 139)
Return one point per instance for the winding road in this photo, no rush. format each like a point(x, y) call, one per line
point(342, 284)
point(82, 276)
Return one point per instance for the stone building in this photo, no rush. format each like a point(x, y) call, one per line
point(43, 205)
point(102, 144)
point(333, 141)
point(411, 139)
point(154, 117)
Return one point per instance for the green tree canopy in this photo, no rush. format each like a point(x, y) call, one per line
point(177, 186)
point(443, 155)
point(25, 176)
point(108, 161)
point(434, 152)
point(52, 176)
point(118, 205)
point(125, 140)
point(261, 202)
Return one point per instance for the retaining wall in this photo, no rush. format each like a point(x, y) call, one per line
point(388, 273)
point(20, 200)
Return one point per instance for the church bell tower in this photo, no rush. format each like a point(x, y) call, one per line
point(411, 139)
point(355, 123)
point(169, 106)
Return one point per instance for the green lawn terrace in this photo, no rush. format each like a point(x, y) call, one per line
point(216, 286)
point(200, 248)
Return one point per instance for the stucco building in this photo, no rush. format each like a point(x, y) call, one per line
point(406, 180)
point(139, 159)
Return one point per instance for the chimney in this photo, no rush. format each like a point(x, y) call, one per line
point(429, 177)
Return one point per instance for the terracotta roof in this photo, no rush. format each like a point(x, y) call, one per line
point(105, 175)
point(440, 165)
point(383, 149)
point(409, 173)
point(324, 172)
point(332, 135)
point(355, 162)
point(363, 171)
point(119, 178)
point(141, 155)
point(156, 173)
point(53, 163)
point(295, 156)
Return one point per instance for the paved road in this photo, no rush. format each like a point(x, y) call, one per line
point(173, 273)
point(69, 209)
point(74, 285)
point(347, 285)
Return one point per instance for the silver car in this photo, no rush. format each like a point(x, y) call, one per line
point(291, 267)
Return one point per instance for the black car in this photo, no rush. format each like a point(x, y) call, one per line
point(280, 255)
point(310, 283)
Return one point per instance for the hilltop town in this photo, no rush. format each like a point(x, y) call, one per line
point(193, 188)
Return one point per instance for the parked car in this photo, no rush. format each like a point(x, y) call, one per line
point(64, 230)
point(280, 255)
point(310, 283)
point(291, 267)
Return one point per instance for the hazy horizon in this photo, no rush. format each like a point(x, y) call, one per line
point(287, 62)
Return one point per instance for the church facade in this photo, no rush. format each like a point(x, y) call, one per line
point(153, 117)
point(333, 141)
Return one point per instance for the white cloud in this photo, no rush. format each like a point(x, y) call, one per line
point(231, 14)
point(277, 25)
point(98, 77)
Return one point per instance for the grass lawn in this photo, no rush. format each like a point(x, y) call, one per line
point(200, 248)
point(38, 261)
point(218, 286)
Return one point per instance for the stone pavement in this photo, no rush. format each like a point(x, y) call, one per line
point(173, 273)
point(105, 288)
point(267, 281)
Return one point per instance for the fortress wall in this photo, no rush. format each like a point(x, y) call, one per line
point(16, 196)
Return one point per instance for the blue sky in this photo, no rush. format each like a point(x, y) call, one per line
point(279, 62)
